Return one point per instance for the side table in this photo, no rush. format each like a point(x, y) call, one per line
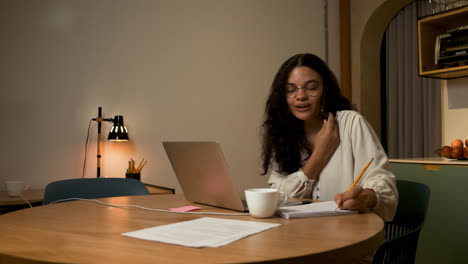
point(156, 189)
point(12, 203)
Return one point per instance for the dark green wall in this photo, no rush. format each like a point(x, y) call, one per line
point(444, 237)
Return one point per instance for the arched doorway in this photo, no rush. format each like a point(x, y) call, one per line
point(370, 46)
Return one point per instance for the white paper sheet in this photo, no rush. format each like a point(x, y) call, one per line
point(202, 232)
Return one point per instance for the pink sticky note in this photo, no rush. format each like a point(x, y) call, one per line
point(184, 208)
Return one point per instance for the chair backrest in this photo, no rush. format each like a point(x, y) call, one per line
point(412, 204)
point(90, 188)
point(402, 234)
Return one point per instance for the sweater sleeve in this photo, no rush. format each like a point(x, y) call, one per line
point(292, 183)
point(378, 176)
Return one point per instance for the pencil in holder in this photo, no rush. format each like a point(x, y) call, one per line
point(135, 176)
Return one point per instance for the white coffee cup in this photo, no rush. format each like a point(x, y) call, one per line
point(263, 202)
point(15, 188)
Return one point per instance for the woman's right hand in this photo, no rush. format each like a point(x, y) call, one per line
point(328, 138)
point(325, 144)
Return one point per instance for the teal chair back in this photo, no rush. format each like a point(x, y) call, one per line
point(402, 233)
point(90, 188)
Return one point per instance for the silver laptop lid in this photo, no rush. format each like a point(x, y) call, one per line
point(203, 174)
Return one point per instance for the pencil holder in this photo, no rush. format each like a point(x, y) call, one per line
point(135, 176)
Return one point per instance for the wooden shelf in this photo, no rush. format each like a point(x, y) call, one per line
point(428, 30)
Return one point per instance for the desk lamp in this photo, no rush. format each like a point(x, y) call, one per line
point(118, 133)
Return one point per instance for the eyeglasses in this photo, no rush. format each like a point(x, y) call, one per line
point(311, 88)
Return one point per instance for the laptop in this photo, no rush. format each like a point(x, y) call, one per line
point(203, 174)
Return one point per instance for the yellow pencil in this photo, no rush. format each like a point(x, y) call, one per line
point(139, 165)
point(142, 166)
point(358, 177)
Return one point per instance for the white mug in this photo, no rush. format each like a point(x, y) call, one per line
point(263, 202)
point(15, 188)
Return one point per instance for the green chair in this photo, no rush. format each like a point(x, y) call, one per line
point(402, 234)
point(90, 188)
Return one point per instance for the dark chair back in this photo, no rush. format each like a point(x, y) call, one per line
point(402, 234)
point(90, 188)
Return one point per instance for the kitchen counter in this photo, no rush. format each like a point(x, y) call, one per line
point(432, 163)
point(444, 236)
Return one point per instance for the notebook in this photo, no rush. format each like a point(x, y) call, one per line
point(203, 174)
point(327, 208)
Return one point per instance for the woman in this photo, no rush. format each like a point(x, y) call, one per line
point(316, 145)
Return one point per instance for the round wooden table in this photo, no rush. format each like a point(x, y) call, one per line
point(88, 232)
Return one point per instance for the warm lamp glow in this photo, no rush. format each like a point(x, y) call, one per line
point(118, 133)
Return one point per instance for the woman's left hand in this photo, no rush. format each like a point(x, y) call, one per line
point(357, 199)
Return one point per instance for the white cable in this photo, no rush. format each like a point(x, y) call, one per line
point(25, 200)
point(150, 209)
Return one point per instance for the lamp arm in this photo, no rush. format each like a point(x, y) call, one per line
point(100, 119)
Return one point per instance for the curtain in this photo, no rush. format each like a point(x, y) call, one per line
point(413, 103)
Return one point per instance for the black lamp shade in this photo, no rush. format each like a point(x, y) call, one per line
point(118, 131)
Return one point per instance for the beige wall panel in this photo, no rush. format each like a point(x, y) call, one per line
point(454, 111)
point(176, 70)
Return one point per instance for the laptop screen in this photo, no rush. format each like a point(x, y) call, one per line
point(203, 174)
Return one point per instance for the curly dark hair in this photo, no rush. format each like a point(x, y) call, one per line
point(283, 133)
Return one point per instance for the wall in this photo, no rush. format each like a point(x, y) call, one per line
point(454, 110)
point(176, 70)
point(360, 13)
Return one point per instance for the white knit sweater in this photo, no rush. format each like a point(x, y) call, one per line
point(358, 144)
